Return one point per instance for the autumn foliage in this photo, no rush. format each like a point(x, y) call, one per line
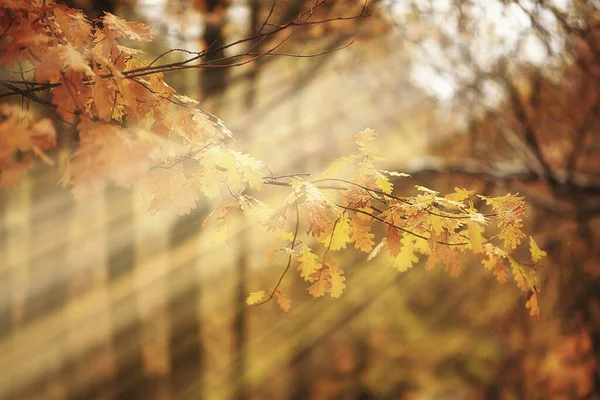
point(133, 129)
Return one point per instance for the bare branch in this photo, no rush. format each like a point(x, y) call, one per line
point(529, 130)
point(27, 93)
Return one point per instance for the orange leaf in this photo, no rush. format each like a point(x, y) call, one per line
point(284, 302)
point(361, 235)
point(336, 279)
point(532, 304)
point(318, 288)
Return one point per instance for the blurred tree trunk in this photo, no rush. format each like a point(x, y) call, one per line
point(126, 335)
point(93, 8)
point(240, 327)
point(186, 352)
point(213, 79)
point(6, 282)
point(300, 370)
point(48, 276)
point(239, 324)
point(5, 274)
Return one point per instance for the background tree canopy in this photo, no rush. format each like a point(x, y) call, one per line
point(220, 163)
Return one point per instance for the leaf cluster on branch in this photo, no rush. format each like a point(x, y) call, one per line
point(135, 130)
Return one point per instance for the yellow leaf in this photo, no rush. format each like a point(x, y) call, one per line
point(337, 281)
point(422, 246)
point(308, 263)
point(523, 281)
point(255, 297)
point(337, 165)
point(460, 194)
point(532, 304)
point(476, 239)
point(287, 236)
point(284, 302)
point(250, 170)
point(536, 253)
point(383, 183)
point(437, 224)
point(441, 224)
point(406, 257)
point(511, 234)
point(341, 234)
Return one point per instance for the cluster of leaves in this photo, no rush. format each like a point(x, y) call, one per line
point(339, 212)
point(135, 130)
point(98, 84)
point(18, 134)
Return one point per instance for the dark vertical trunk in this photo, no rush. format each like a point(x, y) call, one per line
point(254, 26)
point(363, 358)
point(186, 353)
point(301, 377)
point(126, 332)
point(214, 79)
point(240, 326)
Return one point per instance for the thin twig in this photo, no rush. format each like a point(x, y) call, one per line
point(397, 227)
point(289, 263)
point(308, 55)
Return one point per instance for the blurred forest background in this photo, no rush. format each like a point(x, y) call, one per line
point(105, 301)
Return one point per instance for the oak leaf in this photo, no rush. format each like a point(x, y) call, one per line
point(340, 235)
point(406, 258)
point(536, 253)
point(284, 302)
point(318, 288)
point(383, 183)
point(255, 297)
point(308, 263)
point(360, 234)
point(336, 278)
